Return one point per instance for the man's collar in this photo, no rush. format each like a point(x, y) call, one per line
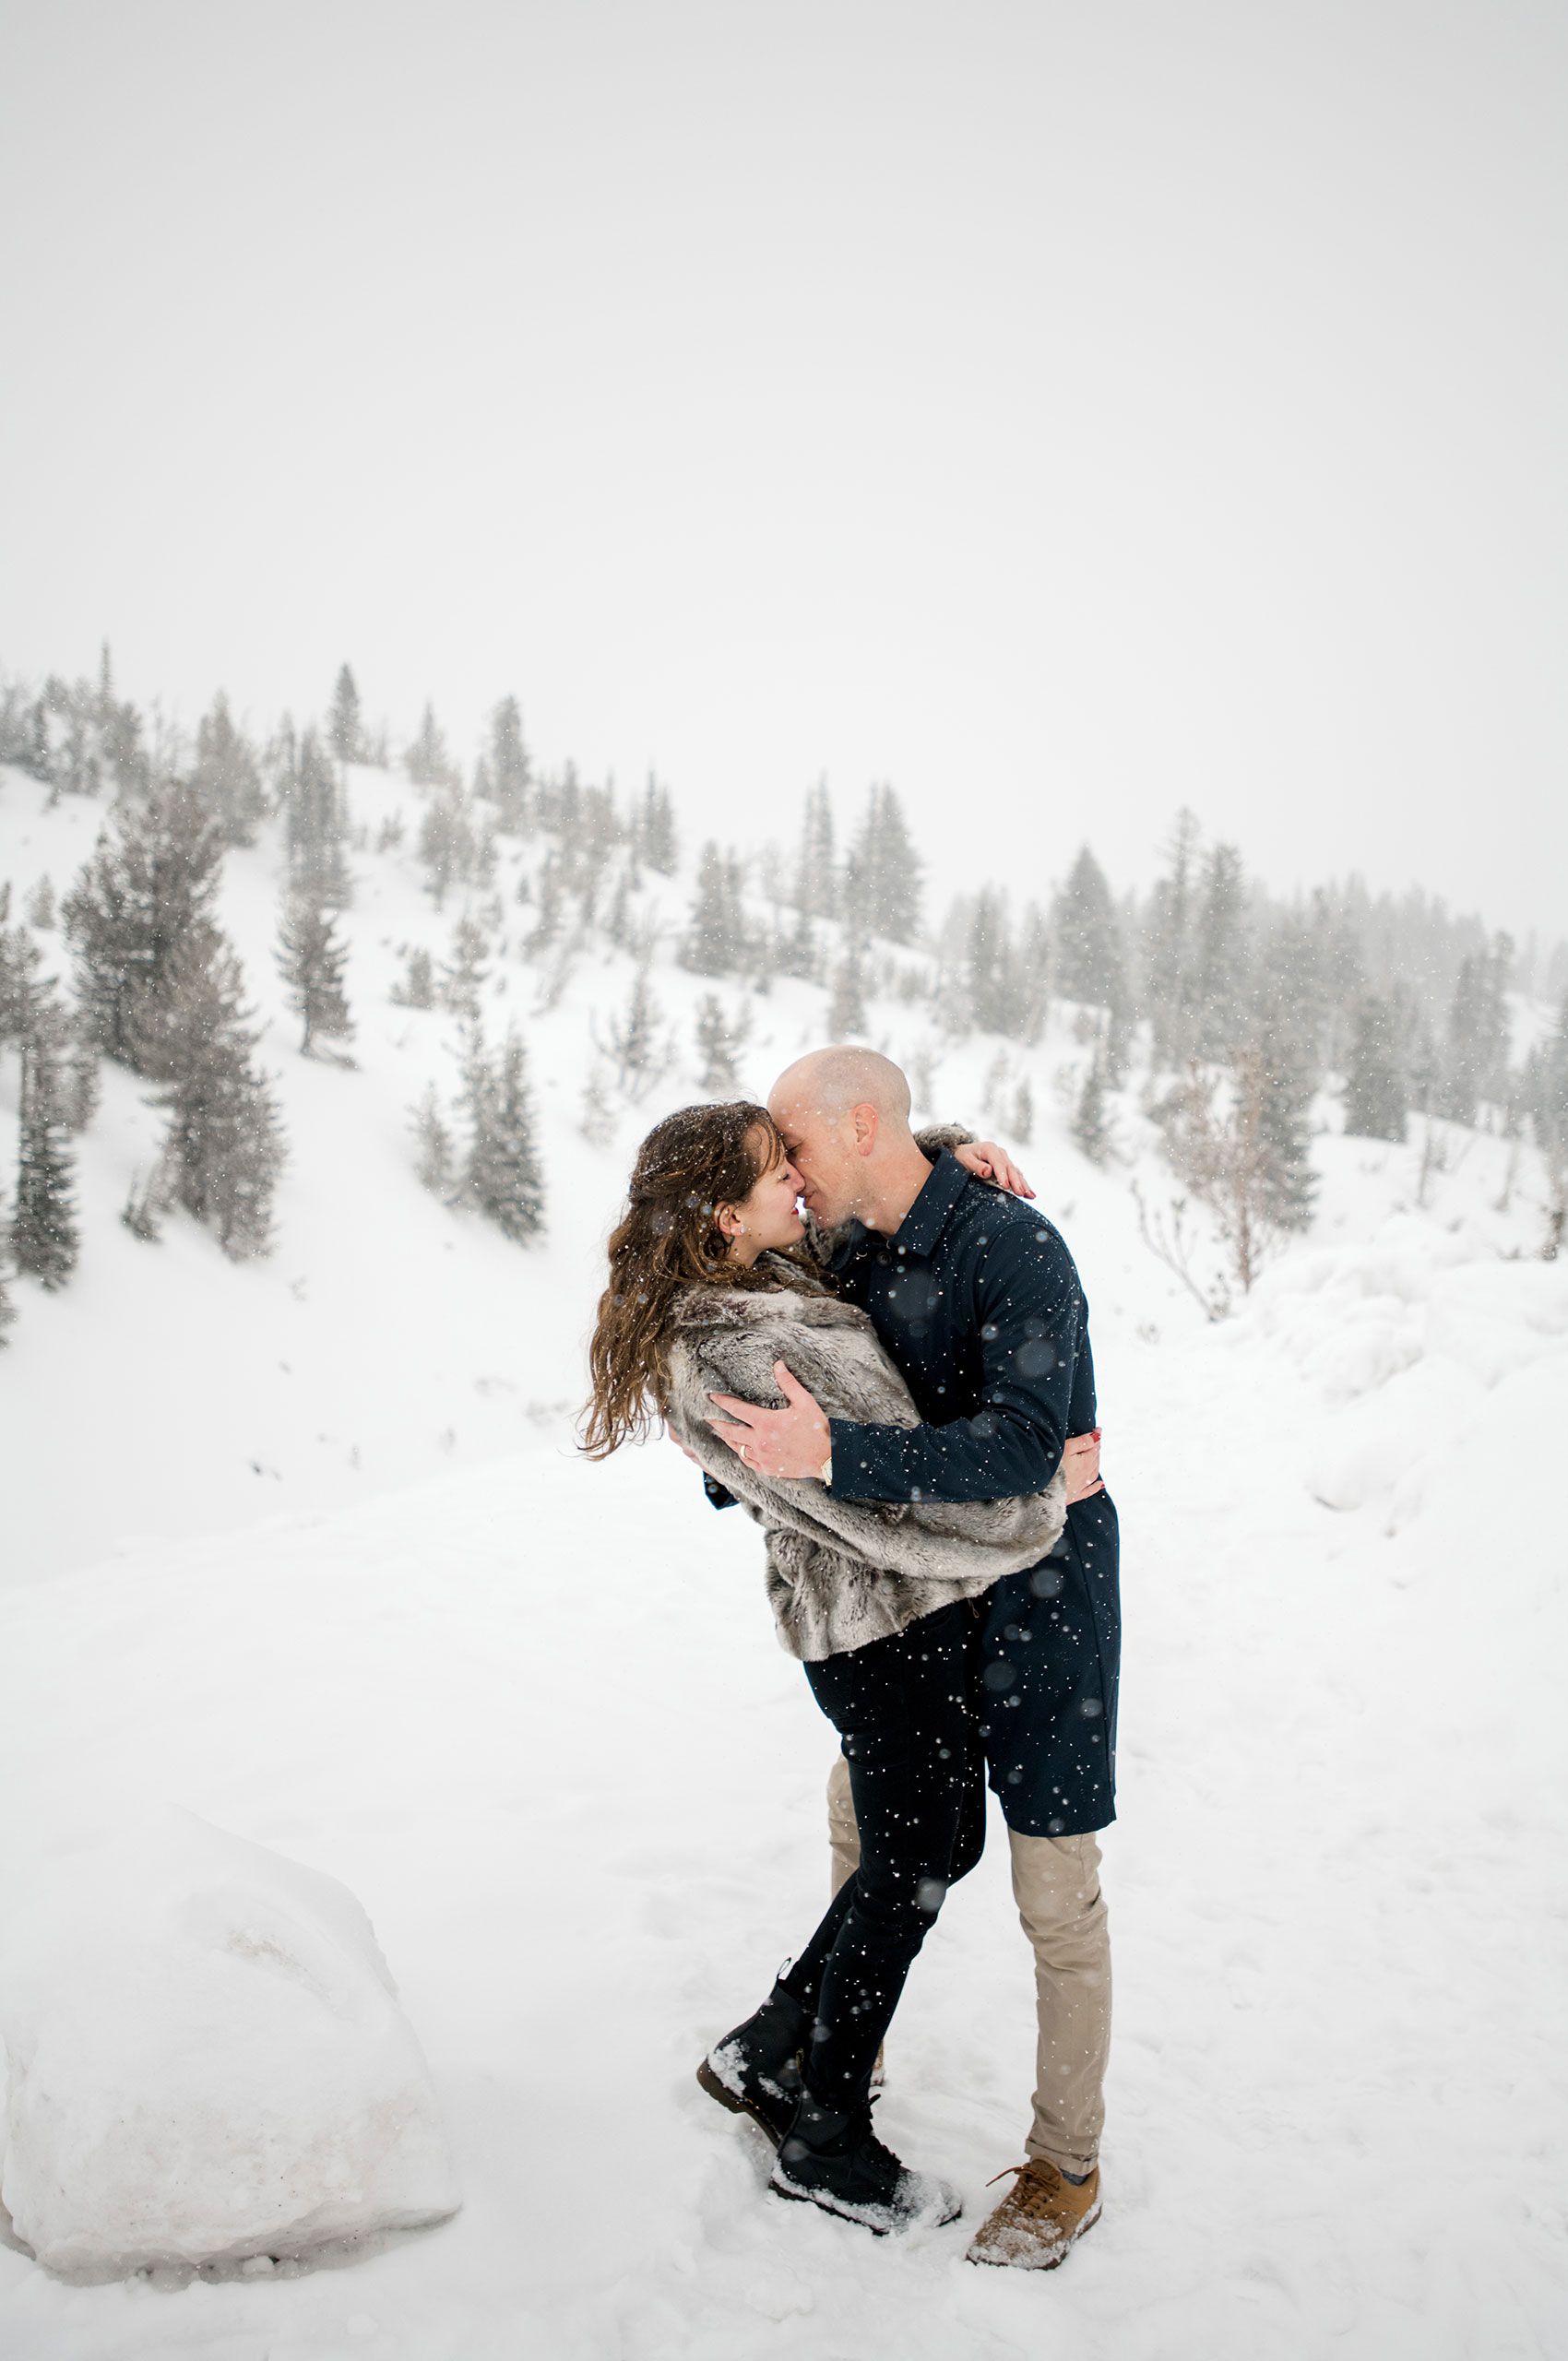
point(921, 1225)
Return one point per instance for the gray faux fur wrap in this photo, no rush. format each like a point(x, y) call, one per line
point(839, 1573)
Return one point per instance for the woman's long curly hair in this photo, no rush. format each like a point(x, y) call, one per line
point(669, 1237)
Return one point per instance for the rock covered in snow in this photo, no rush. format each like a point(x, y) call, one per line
point(207, 2059)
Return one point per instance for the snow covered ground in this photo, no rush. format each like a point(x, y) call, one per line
point(532, 1714)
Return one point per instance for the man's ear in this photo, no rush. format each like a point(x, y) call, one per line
point(865, 1118)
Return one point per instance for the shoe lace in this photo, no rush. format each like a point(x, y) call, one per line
point(1035, 2187)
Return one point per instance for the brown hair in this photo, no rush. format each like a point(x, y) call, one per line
point(669, 1237)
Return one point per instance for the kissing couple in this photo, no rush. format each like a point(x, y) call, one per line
point(897, 1385)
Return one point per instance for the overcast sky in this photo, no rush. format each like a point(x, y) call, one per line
point(1062, 410)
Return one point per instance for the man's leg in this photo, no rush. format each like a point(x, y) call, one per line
point(1056, 1886)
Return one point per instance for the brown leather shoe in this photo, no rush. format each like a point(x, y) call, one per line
point(1037, 2219)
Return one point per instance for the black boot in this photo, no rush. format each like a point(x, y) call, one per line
point(838, 2162)
point(755, 2071)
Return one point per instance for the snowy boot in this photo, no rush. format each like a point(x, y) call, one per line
point(755, 2071)
point(838, 2162)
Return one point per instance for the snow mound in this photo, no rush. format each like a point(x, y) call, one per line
point(207, 2059)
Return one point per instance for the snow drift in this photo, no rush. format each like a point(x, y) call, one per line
point(207, 2059)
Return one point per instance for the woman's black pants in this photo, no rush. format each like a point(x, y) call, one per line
point(904, 1709)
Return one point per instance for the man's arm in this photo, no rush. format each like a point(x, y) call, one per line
point(1028, 1305)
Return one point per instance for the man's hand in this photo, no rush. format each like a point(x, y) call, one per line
point(791, 1441)
point(989, 1162)
point(1080, 1457)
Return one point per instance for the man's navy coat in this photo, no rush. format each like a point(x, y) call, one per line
point(977, 1301)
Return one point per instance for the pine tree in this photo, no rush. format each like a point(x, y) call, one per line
point(345, 728)
point(634, 1044)
point(39, 911)
point(1476, 1063)
point(224, 1145)
point(145, 898)
point(1023, 1113)
point(1220, 985)
point(417, 989)
point(817, 881)
point(882, 876)
point(1170, 950)
point(44, 1231)
point(318, 827)
point(993, 983)
point(847, 1016)
point(311, 959)
point(505, 772)
point(653, 829)
point(446, 843)
point(434, 1139)
point(1285, 1080)
point(465, 973)
point(720, 1038)
point(427, 762)
point(502, 1176)
point(227, 776)
point(1088, 938)
point(1376, 1090)
point(715, 941)
point(1091, 1132)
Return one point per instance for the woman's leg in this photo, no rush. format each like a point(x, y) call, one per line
point(902, 1706)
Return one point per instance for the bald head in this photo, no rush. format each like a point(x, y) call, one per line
point(844, 1114)
point(831, 1082)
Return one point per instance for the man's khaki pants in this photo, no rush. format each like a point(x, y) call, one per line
point(1056, 1886)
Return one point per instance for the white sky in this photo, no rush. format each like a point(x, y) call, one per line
point(1062, 410)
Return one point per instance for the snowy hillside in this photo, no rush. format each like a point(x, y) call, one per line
point(302, 1544)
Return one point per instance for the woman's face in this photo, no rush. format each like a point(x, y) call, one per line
point(768, 1215)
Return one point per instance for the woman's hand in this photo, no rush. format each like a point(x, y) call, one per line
point(1081, 1459)
point(989, 1162)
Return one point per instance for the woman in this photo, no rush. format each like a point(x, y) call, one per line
point(710, 1285)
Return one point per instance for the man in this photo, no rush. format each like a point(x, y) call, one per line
point(977, 1301)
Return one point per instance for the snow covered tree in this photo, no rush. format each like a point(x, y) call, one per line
point(882, 874)
point(505, 776)
point(224, 1145)
point(816, 876)
point(1169, 949)
point(227, 776)
point(1285, 1080)
point(145, 896)
point(417, 989)
point(847, 1014)
point(653, 829)
point(311, 959)
point(1220, 983)
point(345, 726)
point(39, 909)
point(44, 1231)
point(715, 941)
point(433, 1138)
point(447, 845)
point(633, 1045)
point(428, 760)
point(993, 992)
point(1376, 1089)
point(1475, 1062)
point(502, 1176)
point(1088, 966)
point(721, 1035)
point(1091, 1131)
point(466, 972)
point(318, 829)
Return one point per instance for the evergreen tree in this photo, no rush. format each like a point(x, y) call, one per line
point(311, 959)
point(446, 843)
point(653, 829)
point(435, 1141)
point(882, 878)
point(715, 941)
point(345, 728)
point(504, 770)
point(227, 776)
point(1476, 1063)
point(417, 989)
point(816, 882)
point(224, 1146)
point(318, 829)
point(634, 1044)
point(1285, 1079)
point(39, 911)
point(1376, 1090)
point(502, 1176)
point(995, 991)
point(145, 896)
point(1023, 1113)
point(44, 1229)
point(846, 1017)
point(428, 762)
point(720, 1038)
point(465, 973)
point(1086, 936)
point(1220, 986)
point(1091, 1131)
point(1169, 949)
